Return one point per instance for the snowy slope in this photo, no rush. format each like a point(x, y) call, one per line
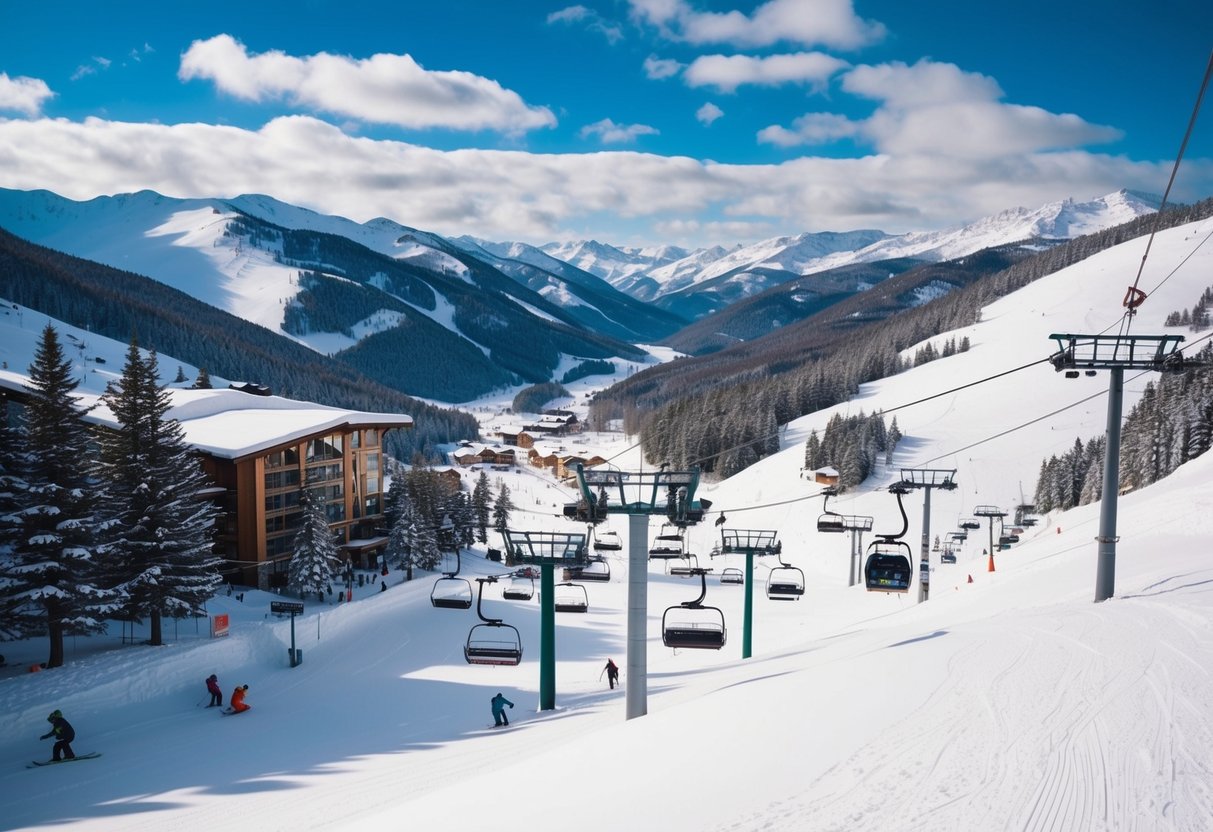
point(1012, 702)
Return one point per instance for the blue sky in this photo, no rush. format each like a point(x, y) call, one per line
point(630, 121)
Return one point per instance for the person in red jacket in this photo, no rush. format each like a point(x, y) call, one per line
point(212, 687)
point(238, 703)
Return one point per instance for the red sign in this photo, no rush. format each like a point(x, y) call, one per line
point(219, 625)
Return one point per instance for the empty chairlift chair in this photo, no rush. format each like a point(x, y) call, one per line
point(519, 588)
point(669, 543)
point(732, 575)
point(684, 568)
point(493, 641)
point(450, 591)
point(607, 541)
point(830, 522)
point(692, 624)
point(570, 597)
point(596, 570)
point(785, 582)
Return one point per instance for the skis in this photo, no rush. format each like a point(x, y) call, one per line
point(230, 712)
point(90, 756)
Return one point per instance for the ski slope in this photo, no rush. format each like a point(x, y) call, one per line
point(1009, 702)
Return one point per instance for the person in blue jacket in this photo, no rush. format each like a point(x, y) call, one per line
point(499, 717)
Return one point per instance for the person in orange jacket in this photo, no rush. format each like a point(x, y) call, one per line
point(238, 703)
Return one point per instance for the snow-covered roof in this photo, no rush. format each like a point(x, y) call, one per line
point(231, 424)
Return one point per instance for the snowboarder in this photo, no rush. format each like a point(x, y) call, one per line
point(212, 687)
point(238, 703)
point(63, 733)
point(612, 673)
point(499, 717)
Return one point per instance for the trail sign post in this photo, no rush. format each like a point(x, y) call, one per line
point(294, 608)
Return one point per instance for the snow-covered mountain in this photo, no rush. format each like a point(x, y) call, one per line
point(344, 288)
point(705, 280)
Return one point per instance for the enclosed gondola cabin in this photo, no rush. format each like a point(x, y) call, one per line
point(888, 567)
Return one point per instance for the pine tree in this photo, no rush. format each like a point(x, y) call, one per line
point(316, 559)
point(51, 579)
point(203, 382)
point(482, 505)
point(162, 552)
point(400, 541)
point(501, 509)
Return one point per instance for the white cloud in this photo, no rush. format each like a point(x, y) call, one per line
point(592, 20)
point(938, 110)
point(611, 133)
point(89, 69)
point(516, 195)
point(659, 68)
point(23, 94)
point(385, 89)
point(708, 113)
point(727, 72)
point(808, 22)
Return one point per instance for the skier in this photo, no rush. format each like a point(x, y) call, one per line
point(499, 717)
point(63, 733)
point(212, 687)
point(238, 704)
point(612, 673)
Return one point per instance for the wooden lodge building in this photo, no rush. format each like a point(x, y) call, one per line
point(259, 451)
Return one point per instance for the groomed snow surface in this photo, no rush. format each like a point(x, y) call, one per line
point(1009, 703)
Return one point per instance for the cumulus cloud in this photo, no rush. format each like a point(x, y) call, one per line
point(808, 22)
point(516, 195)
point(385, 89)
point(588, 18)
point(727, 72)
point(23, 94)
point(659, 68)
point(937, 109)
point(611, 133)
point(708, 113)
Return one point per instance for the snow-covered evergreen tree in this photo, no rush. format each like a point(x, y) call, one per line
point(501, 509)
point(162, 552)
point(316, 560)
point(482, 500)
point(50, 579)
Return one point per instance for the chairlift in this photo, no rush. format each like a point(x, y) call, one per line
point(451, 592)
point(493, 641)
point(570, 597)
point(519, 588)
point(785, 582)
point(969, 524)
point(830, 522)
point(732, 575)
point(669, 543)
point(693, 625)
point(888, 567)
point(948, 555)
point(683, 570)
point(596, 570)
point(607, 541)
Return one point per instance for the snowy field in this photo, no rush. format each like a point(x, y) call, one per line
point(1009, 702)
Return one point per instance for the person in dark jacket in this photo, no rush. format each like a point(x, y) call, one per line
point(499, 703)
point(612, 673)
point(212, 686)
point(63, 733)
